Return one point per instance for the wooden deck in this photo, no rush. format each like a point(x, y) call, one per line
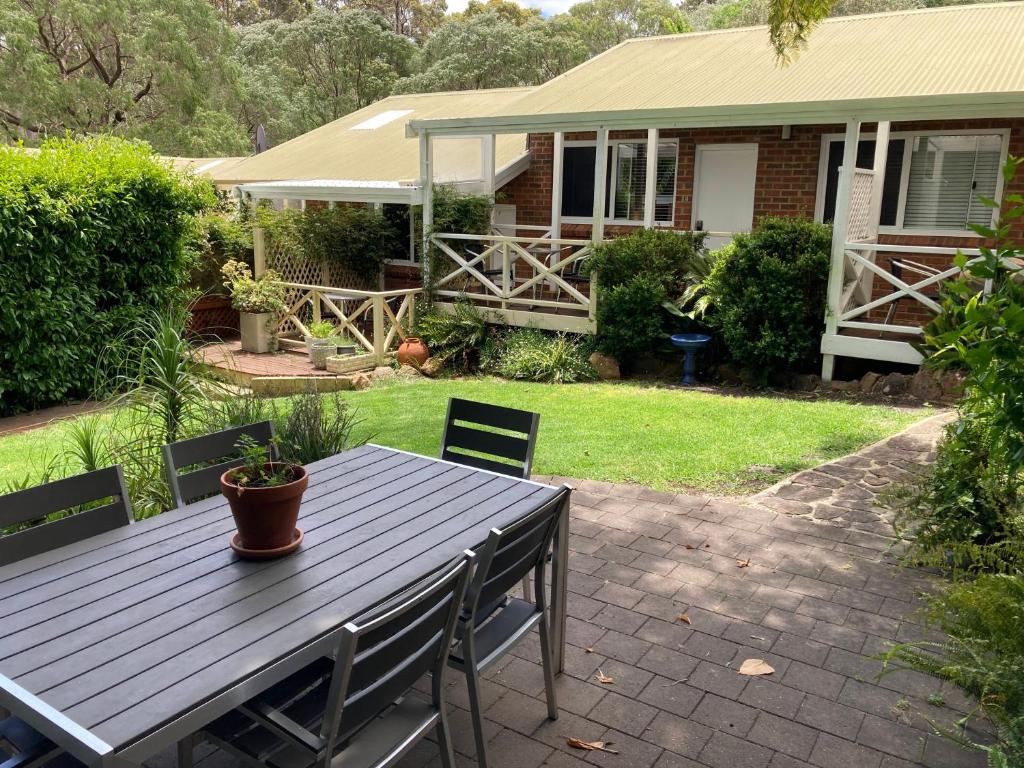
point(279, 373)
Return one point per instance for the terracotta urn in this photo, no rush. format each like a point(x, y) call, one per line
point(265, 517)
point(412, 351)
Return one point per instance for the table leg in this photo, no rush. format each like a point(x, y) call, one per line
point(559, 586)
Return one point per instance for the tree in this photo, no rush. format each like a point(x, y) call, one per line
point(746, 13)
point(604, 23)
point(505, 9)
point(484, 50)
point(302, 74)
point(140, 68)
point(412, 18)
point(253, 11)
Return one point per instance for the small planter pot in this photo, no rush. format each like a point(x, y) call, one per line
point(320, 350)
point(265, 517)
point(257, 335)
point(345, 349)
point(412, 352)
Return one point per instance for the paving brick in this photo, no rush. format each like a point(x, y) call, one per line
point(710, 648)
point(672, 695)
point(578, 696)
point(512, 750)
point(523, 676)
point(517, 711)
point(617, 594)
point(618, 574)
point(940, 753)
point(623, 713)
point(813, 680)
point(664, 608)
point(891, 737)
point(841, 637)
point(616, 554)
point(823, 609)
point(873, 623)
point(725, 751)
point(582, 633)
point(670, 634)
point(672, 760)
point(583, 608)
point(832, 752)
point(783, 735)
point(616, 645)
point(801, 649)
point(717, 679)
point(772, 697)
point(654, 564)
point(830, 717)
point(555, 733)
point(744, 633)
point(786, 621)
point(635, 753)
point(724, 715)
point(664, 661)
point(683, 737)
point(619, 619)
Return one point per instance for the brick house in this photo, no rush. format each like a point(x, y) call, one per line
point(709, 131)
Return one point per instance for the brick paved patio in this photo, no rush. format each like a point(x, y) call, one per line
point(819, 597)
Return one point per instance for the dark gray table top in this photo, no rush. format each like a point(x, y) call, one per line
point(143, 632)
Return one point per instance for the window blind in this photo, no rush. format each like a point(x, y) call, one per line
point(631, 181)
point(947, 174)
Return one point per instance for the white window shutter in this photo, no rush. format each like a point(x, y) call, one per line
point(947, 175)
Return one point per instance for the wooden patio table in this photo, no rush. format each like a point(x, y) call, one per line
point(118, 646)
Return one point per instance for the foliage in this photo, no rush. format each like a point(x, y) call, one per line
point(314, 426)
point(414, 19)
point(504, 9)
point(638, 277)
point(604, 23)
point(457, 338)
point(533, 355)
point(696, 303)
point(769, 293)
point(321, 330)
point(303, 73)
point(248, 294)
point(220, 238)
point(92, 239)
point(154, 69)
point(984, 655)
point(357, 238)
point(257, 470)
point(453, 212)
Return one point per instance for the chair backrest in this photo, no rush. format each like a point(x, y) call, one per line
point(187, 487)
point(465, 443)
point(60, 496)
point(510, 554)
point(383, 653)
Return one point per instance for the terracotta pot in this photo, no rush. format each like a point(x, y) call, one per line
point(412, 352)
point(265, 517)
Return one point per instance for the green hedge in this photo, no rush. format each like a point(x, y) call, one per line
point(92, 235)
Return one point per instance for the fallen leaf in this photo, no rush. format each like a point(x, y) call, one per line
point(601, 677)
point(590, 746)
point(743, 563)
point(588, 650)
point(688, 546)
point(683, 617)
point(755, 667)
point(707, 546)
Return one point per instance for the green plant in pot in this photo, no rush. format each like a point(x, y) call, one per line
point(265, 496)
point(321, 343)
point(260, 302)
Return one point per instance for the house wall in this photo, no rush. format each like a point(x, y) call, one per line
point(786, 183)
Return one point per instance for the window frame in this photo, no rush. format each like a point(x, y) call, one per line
point(613, 147)
point(909, 139)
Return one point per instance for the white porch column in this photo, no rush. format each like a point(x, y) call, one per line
point(837, 267)
point(427, 192)
point(650, 180)
point(488, 163)
point(600, 172)
point(878, 182)
point(556, 185)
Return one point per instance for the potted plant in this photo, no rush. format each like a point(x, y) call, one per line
point(265, 496)
point(260, 302)
point(346, 345)
point(321, 343)
point(321, 331)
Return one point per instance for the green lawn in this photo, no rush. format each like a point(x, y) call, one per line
point(668, 439)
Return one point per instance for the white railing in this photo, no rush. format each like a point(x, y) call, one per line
point(376, 320)
point(518, 280)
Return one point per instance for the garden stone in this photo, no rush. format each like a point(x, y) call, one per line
point(407, 372)
point(869, 381)
point(432, 367)
point(925, 385)
point(895, 384)
point(361, 381)
point(846, 386)
point(383, 372)
point(952, 385)
point(806, 382)
point(607, 367)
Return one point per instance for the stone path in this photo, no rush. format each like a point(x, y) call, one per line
point(810, 589)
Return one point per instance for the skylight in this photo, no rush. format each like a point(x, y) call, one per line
point(379, 120)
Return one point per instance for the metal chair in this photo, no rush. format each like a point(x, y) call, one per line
point(491, 622)
point(353, 710)
point(511, 454)
point(187, 487)
point(35, 504)
point(25, 747)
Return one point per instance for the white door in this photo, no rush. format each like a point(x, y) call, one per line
point(723, 189)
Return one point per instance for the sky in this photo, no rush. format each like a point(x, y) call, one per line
point(547, 7)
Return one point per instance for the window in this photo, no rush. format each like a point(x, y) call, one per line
point(932, 182)
point(625, 181)
point(947, 174)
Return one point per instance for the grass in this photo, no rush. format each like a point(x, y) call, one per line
point(669, 439)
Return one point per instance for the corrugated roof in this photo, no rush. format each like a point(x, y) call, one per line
point(370, 144)
point(213, 168)
point(933, 55)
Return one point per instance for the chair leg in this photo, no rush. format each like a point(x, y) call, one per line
point(549, 667)
point(527, 592)
point(186, 747)
point(444, 742)
point(473, 684)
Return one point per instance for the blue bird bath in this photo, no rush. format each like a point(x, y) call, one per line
point(690, 343)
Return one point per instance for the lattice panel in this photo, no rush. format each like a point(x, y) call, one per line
point(339, 276)
point(288, 260)
point(861, 228)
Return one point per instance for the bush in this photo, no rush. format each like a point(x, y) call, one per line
point(357, 238)
point(457, 339)
point(639, 277)
point(221, 239)
point(768, 293)
point(533, 355)
point(92, 238)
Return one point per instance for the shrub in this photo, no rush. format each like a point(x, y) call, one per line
point(220, 239)
point(768, 292)
point(457, 339)
point(92, 237)
point(357, 238)
point(639, 277)
point(248, 294)
point(534, 355)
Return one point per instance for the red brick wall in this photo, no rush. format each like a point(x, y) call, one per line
point(786, 184)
